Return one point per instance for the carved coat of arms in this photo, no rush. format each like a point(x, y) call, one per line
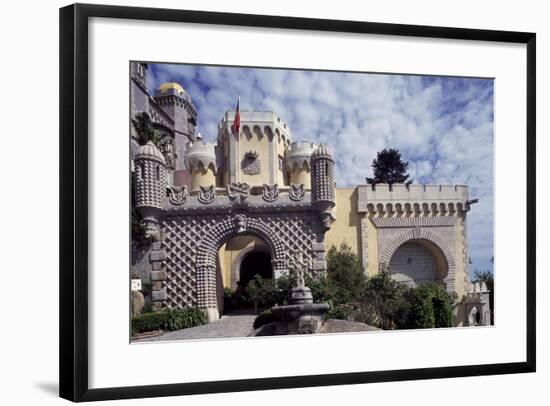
point(270, 193)
point(207, 194)
point(177, 195)
point(238, 189)
point(296, 192)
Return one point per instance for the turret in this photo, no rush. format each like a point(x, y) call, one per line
point(200, 159)
point(150, 185)
point(298, 163)
point(322, 184)
point(175, 101)
point(139, 73)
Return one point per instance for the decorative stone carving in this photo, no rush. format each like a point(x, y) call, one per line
point(152, 229)
point(192, 243)
point(327, 220)
point(177, 195)
point(207, 194)
point(270, 193)
point(138, 301)
point(299, 266)
point(167, 150)
point(251, 163)
point(296, 192)
point(240, 220)
point(239, 189)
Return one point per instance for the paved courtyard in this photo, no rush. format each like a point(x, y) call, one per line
point(230, 325)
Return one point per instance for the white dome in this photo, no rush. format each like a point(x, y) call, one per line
point(149, 151)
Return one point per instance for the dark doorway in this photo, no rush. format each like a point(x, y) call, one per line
point(255, 263)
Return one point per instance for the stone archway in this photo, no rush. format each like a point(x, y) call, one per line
point(431, 237)
point(418, 261)
point(206, 263)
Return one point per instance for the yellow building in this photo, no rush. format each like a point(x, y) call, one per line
point(255, 200)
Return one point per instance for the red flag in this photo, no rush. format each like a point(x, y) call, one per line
point(237, 121)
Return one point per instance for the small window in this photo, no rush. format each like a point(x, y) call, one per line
point(158, 172)
point(280, 163)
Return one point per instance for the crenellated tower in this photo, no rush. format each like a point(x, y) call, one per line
point(150, 186)
point(322, 184)
point(201, 162)
point(298, 163)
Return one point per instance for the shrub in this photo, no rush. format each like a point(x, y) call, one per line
point(383, 302)
point(340, 312)
point(169, 319)
point(263, 318)
point(345, 278)
point(184, 318)
point(230, 300)
point(263, 292)
point(149, 322)
point(283, 288)
point(319, 288)
point(430, 306)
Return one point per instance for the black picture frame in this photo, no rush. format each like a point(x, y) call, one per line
point(74, 196)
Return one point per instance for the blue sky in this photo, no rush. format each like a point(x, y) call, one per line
point(443, 126)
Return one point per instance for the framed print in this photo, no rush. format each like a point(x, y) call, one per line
point(256, 202)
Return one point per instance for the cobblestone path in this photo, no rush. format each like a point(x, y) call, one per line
point(230, 325)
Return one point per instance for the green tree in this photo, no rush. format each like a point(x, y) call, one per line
point(383, 301)
point(388, 167)
point(429, 306)
point(345, 278)
point(146, 129)
point(262, 292)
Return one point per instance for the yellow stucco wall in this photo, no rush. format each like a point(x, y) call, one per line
point(347, 226)
point(372, 251)
point(301, 175)
point(202, 176)
point(260, 144)
point(229, 254)
point(280, 151)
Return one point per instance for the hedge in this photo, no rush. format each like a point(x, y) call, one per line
point(169, 319)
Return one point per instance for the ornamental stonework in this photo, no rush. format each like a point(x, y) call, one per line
point(177, 195)
point(251, 163)
point(238, 189)
point(191, 244)
point(296, 192)
point(270, 193)
point(207, 194)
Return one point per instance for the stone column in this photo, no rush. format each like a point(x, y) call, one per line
point(319, 264)
point(207, 292)
point(365, 243)
point(158, 276)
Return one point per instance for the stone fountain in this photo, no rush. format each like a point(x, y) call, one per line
point(301, 316)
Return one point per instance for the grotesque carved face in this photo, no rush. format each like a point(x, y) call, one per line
point(152, 231)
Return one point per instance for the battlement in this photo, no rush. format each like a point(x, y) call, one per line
point(258, 122)
point(299, 153)
point(200, 152)
point(384, 198)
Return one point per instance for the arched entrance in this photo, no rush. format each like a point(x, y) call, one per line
point(437, 247)
point(209, 294)
point(255, 263)
point(418, 261)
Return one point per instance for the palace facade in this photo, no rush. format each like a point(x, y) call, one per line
point(218, 213)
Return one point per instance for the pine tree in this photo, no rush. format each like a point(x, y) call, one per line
point(388, 167)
